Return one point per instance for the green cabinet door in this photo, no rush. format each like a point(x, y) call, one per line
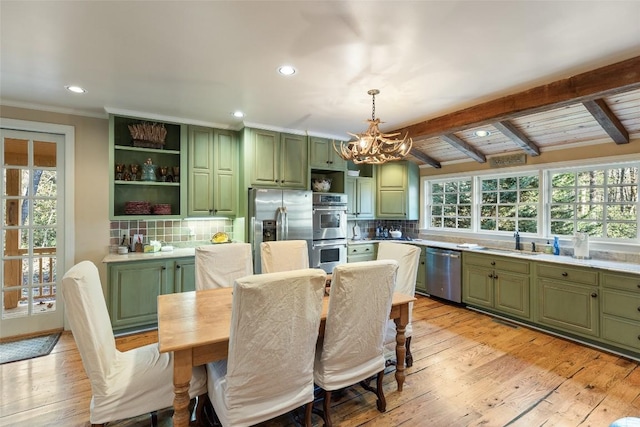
point(322, 156)
point(421, 278)
point(398, 191)
point(362, 252)
point(477, 286)
point(212, 171)
point(133, 292)
point(360, 197)
point(568, 306)
point(512, 293)
point(294, 169)
point(184, 275)
point(225, 178)
point(264, 155)
point(200, 192)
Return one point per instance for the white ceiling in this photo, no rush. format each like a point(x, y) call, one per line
point(200, 61)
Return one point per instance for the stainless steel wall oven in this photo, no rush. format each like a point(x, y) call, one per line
point(329, 246)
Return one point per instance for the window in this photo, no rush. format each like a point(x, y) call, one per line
point(451, 204)
point(601, 202)
point(510, 203)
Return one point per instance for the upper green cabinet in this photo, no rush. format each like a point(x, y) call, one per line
point(212, 172)
point(276, 159)
point(361, 193)
point(322, 155)
point(144, 178)
point(398, 191)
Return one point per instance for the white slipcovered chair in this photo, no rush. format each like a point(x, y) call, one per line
point(217, 266)
point(123, 384)
point(284, 255)
point(408, 258)
point(275, 320)
point(352, 349)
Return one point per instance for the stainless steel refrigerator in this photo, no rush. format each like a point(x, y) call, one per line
point(278, 215)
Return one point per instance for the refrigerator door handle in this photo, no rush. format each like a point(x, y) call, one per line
point(280, 224)
point(286, 223)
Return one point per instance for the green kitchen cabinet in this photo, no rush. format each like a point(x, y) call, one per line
point(277, 159)
point(184, 275)
point(127, 156)
point(134, 286)
point(620, 318)
point(421, 278)
point(360, 197)
point(568, 298)
point(398, 191)
point(212, 172)
point(501, 284)
point(362, 252)
point(322, 156)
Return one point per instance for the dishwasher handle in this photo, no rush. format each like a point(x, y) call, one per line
point(448, 254)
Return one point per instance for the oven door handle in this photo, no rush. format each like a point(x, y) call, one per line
point(320, 244)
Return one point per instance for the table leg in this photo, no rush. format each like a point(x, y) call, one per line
point(182, 362)
point(401, 350)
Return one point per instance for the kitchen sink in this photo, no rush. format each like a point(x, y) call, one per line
point(511, 252)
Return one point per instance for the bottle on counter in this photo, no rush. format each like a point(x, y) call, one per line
point(556, 246)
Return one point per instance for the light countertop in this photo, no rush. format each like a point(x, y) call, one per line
point(141, 256)
point(615, 266)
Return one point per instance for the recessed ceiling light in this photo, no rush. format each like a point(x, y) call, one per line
point(287, 70)
point(482, 133)
point(238, 114)
point(75, 89)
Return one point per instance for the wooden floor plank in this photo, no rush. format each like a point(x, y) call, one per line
point(469, 370)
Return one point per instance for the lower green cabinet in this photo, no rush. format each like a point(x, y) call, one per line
point(620, 318)
point(498, 283)
point(134, 286)
point(361, 252)
point(568, 299)
point(421, 278)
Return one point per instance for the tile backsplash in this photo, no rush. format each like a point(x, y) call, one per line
point(179, 233)
point(368, 227)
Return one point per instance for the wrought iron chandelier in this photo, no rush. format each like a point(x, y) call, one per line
point(373, 146)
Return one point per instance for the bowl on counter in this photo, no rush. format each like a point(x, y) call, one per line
point(396, 234)
point(321, 185)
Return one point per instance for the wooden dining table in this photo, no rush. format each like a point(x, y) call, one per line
point(195, 326)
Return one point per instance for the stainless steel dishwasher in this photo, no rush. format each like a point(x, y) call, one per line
point(444, 274)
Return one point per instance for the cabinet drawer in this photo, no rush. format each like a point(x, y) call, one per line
point(497, 262)
point(577, 275)
point(621, 332)
point(623, 304)
point(629, 282)
point(361, 249)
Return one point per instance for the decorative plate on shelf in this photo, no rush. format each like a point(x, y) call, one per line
point(220, 237)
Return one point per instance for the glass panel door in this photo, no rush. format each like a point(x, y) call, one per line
point(32, 213)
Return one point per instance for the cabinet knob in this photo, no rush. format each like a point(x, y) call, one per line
point(639, 337)
point(565, 274)
point(178, 266)
point(493, 263)
point(638, 308)
point(366, 249)
point(163, 268)
point(638, 285)
point(495, 276)
point(594, 295)
point(423, 264)
point(490, 276)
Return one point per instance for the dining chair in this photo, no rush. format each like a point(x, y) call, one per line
point(284, 255)
point(352, 349)
point(123, 384)
point(218, 265)
point(408, 258)
point(275, 319)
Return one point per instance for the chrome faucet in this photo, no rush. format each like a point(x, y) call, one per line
point(517, 236)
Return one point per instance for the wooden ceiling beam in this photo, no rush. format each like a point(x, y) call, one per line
point(608, 120)
point(519, 138)
point(425, 158)
point(605, 81)
point(464, 147)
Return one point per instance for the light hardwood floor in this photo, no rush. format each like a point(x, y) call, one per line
point(469, 370)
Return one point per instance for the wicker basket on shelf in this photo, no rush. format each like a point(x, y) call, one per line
point(148, 135)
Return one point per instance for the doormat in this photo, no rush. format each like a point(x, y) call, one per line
point(28, 348)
